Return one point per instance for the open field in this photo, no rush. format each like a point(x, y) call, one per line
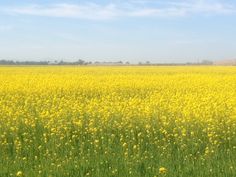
point(118, 121)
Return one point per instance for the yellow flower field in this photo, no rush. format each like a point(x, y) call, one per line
point(118, 121)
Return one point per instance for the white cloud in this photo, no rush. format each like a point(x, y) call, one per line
point(205, 6)
point(88, 11)
point(139, 8)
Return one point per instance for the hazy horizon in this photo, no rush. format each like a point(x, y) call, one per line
point(167, 31)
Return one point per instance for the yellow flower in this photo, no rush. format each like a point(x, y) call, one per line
point(162, 170)
point(19, 173)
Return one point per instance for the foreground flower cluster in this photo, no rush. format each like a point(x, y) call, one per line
point(118, 121)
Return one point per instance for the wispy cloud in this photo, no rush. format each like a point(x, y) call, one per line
point(131, 8)
point(87, 11)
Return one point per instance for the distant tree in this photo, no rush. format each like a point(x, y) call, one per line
point(206, 62)
point(80, 62)
point(7, 62)
point(60, 62)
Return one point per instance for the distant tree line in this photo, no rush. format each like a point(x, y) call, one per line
point(11, 62)
point(61, 62)
point(82, 62)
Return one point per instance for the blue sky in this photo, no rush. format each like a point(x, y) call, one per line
point(131, 30)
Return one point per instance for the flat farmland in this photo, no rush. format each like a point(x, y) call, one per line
point(127, 121)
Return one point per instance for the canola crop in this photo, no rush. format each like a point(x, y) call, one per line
point(118, 121)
